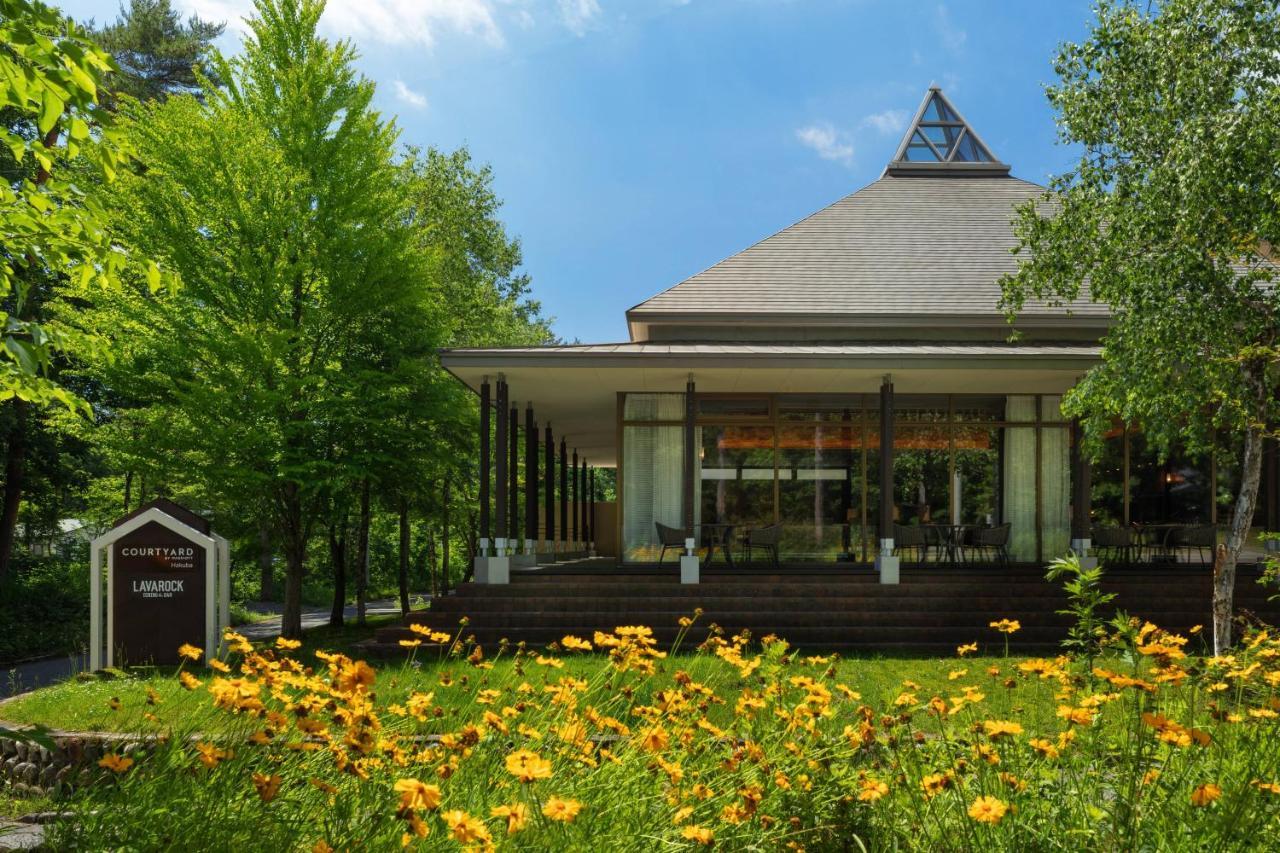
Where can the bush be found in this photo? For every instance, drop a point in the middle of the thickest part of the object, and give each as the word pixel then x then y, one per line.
pixel 46 608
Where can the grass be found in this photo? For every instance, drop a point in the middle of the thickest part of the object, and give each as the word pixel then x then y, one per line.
pixel 741 744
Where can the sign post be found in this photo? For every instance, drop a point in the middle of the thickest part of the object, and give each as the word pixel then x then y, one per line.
pixel 167 583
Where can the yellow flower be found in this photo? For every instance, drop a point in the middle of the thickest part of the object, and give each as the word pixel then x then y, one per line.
pixel 935 783
pixel 321 846
pixel 957 673
pixel 465 828
pixel 410 644
pixel 1269 787
pixel 526 765
pixel 561 809
pixel 699 834
pixel 211 756
pixel 218 665
pixel 267 786
pixel 190 652
pixel 967 649
pixel 188 680
pixel 517 815
pixel 287 645
pixel 1205 794
pixel 115 763
pixel 1044 747
pixel 575 644
pixel 1001 728
pixel 1007 626
pixel 872 790
pixel 988 810
pixel 655 739
pixel 417 795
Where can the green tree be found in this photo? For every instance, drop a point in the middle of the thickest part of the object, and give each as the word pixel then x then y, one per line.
pixel 57 148
pixel 1170 217
pixel 156 53
pixel 278 201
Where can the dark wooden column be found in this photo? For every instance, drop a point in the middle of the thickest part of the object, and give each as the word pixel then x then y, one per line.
pixel 577 497
pixel 530 475
pixel 591 503
pixel 485 408
pixel 582 504
pixel 690 456
pixel 564 491
pixel 886 459
pixel 1081 486
pixel 549 499
pixel 513 474
pixel 1271 483
pixel 500 470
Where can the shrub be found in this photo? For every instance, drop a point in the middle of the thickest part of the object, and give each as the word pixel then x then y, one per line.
pixel 46 609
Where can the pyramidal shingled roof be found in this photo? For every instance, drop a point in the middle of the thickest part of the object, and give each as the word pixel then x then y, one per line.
pixel 927 242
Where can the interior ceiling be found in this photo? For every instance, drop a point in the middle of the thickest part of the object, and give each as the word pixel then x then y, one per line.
pixel 582 402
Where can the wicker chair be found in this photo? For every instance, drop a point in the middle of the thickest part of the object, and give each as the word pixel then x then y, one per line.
pixel 766 539
pixel 668 538
pixel 1114 540
pixel 992 539
pixel 911 537
pixel 1203 537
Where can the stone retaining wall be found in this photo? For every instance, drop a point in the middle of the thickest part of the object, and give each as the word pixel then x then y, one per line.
pixel 29 768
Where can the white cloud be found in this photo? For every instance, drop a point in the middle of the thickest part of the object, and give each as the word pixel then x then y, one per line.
pixel 417 100
pixel 829 143
pixel 953 37
pixel 376 21
pixel 887 122
pixel 578 15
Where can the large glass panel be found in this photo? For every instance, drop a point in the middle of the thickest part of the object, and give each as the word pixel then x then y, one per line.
pixel 1176 490
pixel 736 475
pixel 1020 478
pixel 977 485
pixel 921 473
pixel 1107 481
pixel 820 488
pixel 652 493
pixel 653 407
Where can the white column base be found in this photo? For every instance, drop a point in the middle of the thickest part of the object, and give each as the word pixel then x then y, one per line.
pixel 689 571
pixel 1081 547
pixel 887 564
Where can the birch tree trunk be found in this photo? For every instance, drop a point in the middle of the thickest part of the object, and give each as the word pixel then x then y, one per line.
pixel 1224 565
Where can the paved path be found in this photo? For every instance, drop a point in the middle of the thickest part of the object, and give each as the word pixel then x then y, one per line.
pixel 25 677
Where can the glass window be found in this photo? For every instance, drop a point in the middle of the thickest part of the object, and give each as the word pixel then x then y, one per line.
pixel 733 407
pixel 653 407
pixel 921 474
pixel 652 487
pixel 820 489
pixel 735 476
pixel 1107 482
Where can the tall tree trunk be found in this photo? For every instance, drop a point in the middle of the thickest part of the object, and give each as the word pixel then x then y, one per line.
pixel 338 558
pixel 128 488
pixel 404 557
pixel 1224 564
pixel 362 556
pixel 15 469
pixel 295 555
pixel 266 562
pixel 444 543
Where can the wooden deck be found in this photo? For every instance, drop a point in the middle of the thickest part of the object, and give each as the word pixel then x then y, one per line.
pixel 842 607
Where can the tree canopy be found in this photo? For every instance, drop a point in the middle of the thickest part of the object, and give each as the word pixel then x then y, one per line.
pixel 1171 217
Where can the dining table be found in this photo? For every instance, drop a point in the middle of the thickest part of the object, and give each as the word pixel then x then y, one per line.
pixel 719 535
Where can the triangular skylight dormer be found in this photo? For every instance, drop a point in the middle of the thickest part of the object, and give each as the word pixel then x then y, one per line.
pixel 940 141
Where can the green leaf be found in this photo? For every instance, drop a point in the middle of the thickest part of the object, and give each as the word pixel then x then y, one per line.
pixel 153 276
pixel 51 108
pixel 79 128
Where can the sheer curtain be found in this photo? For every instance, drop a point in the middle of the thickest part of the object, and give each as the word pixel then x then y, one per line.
pixel 1020 477
pixel 652 472
pixel 1055 481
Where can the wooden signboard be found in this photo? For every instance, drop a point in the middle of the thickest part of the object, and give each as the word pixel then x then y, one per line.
pixel 163 585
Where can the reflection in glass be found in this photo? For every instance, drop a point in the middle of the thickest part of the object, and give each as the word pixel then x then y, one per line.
pixel 736 475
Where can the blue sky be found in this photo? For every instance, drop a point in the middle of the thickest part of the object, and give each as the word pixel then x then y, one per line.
pixel 636 142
